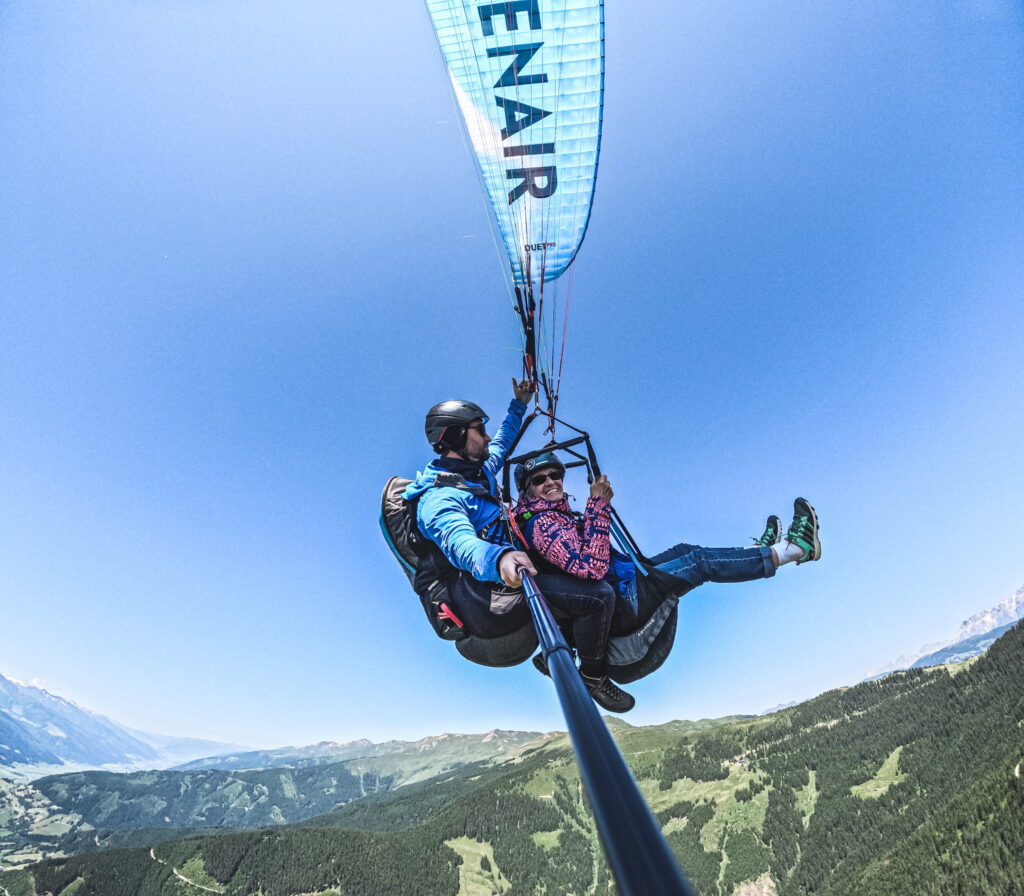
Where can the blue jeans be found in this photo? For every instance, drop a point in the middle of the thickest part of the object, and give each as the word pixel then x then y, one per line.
pixel 694 565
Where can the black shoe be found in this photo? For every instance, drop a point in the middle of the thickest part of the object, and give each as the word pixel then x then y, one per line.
pixel 803 531
pixel 540 664
pixel 772 532
pixel 607 694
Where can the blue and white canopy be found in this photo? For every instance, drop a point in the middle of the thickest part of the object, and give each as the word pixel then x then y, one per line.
pixel 528 76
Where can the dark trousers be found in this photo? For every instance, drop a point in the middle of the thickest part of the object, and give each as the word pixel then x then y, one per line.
pixel 583 609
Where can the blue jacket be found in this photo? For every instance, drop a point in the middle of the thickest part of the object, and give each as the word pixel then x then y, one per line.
pixel 459 522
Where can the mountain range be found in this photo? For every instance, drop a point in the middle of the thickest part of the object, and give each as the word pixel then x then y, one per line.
pixel 972 637
pixel 432 751
pixel 391 786
pixel 906 786
pixel 77 811
pixel 42 733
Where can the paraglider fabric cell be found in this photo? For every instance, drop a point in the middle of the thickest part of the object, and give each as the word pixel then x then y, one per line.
pixel 529 82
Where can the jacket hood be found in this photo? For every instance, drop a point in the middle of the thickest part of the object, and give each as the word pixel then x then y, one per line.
pixel 472 473
pixel 423 482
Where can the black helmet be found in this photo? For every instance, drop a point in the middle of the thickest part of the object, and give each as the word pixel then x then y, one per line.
pixel 446 424
pixel 523 470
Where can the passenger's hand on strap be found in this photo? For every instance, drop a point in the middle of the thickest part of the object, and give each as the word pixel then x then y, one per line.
pixel 601 488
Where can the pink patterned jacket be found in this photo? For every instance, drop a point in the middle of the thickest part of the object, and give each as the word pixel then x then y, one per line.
pixel 556 534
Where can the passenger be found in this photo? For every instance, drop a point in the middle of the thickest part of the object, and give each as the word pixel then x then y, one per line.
pixel 563 541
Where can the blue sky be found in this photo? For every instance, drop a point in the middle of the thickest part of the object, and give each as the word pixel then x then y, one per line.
pixel 243 249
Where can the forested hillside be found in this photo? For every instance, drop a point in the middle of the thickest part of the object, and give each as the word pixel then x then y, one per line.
pixel 82 811
pixel 907 786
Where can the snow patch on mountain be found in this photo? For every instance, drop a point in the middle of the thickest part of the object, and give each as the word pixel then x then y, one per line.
pixel 999 616
pixel 1009 611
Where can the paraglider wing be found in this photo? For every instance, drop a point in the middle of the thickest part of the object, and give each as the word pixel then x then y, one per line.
pixel 529 79
pixel 528 76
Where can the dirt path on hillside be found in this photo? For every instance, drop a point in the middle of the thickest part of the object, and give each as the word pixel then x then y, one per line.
pixel 178 874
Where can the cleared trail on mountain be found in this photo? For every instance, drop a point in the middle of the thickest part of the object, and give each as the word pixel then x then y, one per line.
pixel 175 872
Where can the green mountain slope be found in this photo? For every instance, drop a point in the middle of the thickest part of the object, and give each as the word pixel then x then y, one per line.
pixel 75 812
pixel 907 786
pixel 79 812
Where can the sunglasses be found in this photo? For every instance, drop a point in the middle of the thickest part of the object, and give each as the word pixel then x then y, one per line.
pixel 478 426
pixel 541 478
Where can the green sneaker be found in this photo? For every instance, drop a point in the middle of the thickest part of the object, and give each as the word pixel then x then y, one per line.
pixel 772 532
pixel 803 531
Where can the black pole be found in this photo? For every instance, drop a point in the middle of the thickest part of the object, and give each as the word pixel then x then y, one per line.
pixel 637 853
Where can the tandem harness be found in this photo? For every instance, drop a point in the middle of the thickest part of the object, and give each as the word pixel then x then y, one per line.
pixel 422 561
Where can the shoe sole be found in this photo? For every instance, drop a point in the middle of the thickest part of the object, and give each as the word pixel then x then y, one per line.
pixel 613 707
pixel 607 701
pixel 816 547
